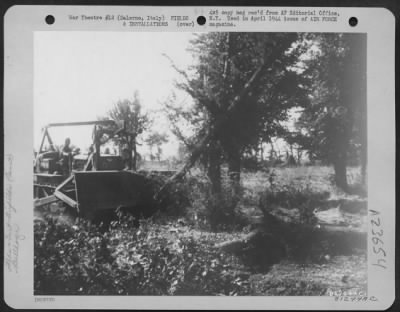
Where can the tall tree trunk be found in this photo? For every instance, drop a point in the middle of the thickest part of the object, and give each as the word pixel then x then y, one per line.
pixel 234 168
pixel 261 151
pixel 299 156
pixel 356 95
pixel 339 165
pixel 134 161
pixel 356 85
pixel 130 147
pixel 272 152
pixel 214 168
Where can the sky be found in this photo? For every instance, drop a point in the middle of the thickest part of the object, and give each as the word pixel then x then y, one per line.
pixel 79 76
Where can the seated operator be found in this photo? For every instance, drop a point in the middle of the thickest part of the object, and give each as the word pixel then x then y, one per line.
pixel 66 157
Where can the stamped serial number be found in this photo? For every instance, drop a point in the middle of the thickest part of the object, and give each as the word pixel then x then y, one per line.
pixel 45 299
pixel 377 239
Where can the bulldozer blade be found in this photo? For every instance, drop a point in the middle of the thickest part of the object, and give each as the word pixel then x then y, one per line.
pixel 97 191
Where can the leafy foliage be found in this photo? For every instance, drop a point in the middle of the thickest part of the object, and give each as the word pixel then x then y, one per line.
pixel 172 256
pixel 175 200
pixel 156 139
pixel 136 122
pixel 78 260
pixel 298 204
pixel 242 86
pixel 226 62
pixel 216 211
pixel 333 125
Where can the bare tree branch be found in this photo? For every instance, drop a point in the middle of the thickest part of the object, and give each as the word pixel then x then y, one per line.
pixel 174 66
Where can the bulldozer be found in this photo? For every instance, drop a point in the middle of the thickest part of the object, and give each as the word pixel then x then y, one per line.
pixel 89 185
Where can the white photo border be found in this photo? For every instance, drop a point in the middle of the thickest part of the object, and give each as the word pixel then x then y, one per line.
pixel 20 25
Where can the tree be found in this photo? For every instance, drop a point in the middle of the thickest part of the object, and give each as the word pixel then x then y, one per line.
pixel 136 122
pixel 243 86
pixel 156 139
pixel 334 122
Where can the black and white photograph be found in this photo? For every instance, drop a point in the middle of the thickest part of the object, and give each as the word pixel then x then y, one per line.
pixel 215 163
pixel 199 158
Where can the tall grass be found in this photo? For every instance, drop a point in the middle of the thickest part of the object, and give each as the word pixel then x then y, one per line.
pixel 317 178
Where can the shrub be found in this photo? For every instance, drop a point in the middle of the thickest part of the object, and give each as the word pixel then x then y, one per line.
pixel 222 213
pixel 127 260
pixel 290 197
pixel 173 201
pixel 68 258
pixel 218 211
